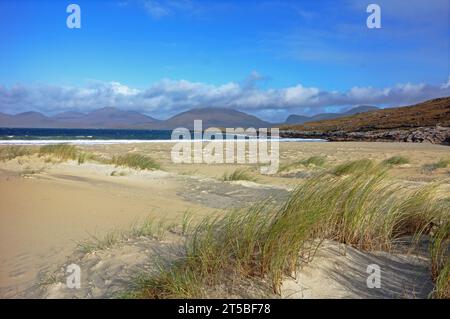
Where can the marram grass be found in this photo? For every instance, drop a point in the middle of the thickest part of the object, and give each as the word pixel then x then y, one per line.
pixel 313 161
pixel 442 282
pixel 60 151
pixel 136 161
pixel 66 152
pixel 396 160
pixel 11 152
pixel 149 227
pixel 238 175
pixel 442 163
pixel 357 166
pixel 440 259
pixel 357 205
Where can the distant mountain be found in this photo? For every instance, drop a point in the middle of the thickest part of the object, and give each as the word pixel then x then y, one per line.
pixel 31 116
pixel 114 118
pixel 109 117
pixel 297 119
pixel 68 116
pixel 212 117
pixel 300 119
pixel 4 116
pixel 361 109
pixel 26 119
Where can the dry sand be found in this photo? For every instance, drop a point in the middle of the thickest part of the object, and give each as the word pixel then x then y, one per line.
pixel 339 271
pixel 46 208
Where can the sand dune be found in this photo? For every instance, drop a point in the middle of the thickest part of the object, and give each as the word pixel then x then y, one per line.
pixel 47 208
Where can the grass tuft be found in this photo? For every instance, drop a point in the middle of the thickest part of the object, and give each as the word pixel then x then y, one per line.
pixel 358 166
pixel 11 152
pixel 148 228
pixel 136 161
pixel 60 151
pixel 95 243
pixel 442 282
pixel 186 222
pixel 443 163
pixel 116 173
pixel 151 228
pixel 83 157
pixel 440 259
pixel 396 160
pixel 65 152
pixel 316 161
pixel 238 175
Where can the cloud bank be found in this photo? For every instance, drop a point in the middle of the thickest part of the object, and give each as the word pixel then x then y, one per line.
pixel 168 97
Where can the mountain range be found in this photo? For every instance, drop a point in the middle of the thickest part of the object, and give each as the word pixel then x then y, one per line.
pixel 300 119
pixel 113 118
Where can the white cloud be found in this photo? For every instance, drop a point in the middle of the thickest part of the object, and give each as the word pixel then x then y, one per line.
pixel 155 9
pixel 118 88
pixel 300 95
pixel 168 97
pixel 446 85
pixel 158 9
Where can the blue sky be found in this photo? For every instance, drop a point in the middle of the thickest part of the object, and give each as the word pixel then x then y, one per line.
pixel 269 58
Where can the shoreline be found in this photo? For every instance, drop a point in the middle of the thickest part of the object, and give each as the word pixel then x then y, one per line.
pixel 109 142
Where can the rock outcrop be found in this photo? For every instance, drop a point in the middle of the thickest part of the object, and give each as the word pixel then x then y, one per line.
pixel 433 135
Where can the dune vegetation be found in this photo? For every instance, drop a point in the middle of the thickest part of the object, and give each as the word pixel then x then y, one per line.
pixel 65 152
pixel 238 175
pixel 355 203
pixel 440 259
pixel 442 163
pixel 313 161
pixel 357 166
pixel 396 160
pixel 136 161
pixel 149 227
pixel 60 151
pixel 11 152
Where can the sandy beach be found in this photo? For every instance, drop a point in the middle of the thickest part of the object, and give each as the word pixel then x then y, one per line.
pixel 47 208
pixel 227 150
